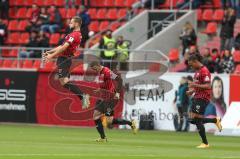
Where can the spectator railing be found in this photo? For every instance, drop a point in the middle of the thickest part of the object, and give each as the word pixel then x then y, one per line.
pixel 82 54
pixel 153 31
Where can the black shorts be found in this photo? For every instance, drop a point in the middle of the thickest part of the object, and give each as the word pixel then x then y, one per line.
pixel 64 65
pixel 199 106
pixel 106 107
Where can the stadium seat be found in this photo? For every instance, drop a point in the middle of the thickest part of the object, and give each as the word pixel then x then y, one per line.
pixel 71 12
pixel 101 14
pixel 29 13
pixel 109 3
pixel 218 15
pixel 112 14
pixel 237 69
pixel 98 3
pixel 104 25
pixel 27 64
pixel 36 64
pixel 13 25
pixel 211 28
pixel 217 3
pixel 29 3
pixel 129 3
pixel 7 63
pixel 94 26
pixel 13 38
pixel 40 3
pixel 48 3
pixel 93 13
pixel 236 56
pixel 13 53
pixel 207 15
pixel 5 21
pixel 21 13
pixel 54 39
pixel 120 3
pixel 122 13
pixel 18 2
pixel 22 25
pixel 15 64
pixel 199 14
pixel 63 12
pixel 173 55
pixel 12 2
pixel 12 12
pixel 24 38
pixel 115 25
pixel 59 3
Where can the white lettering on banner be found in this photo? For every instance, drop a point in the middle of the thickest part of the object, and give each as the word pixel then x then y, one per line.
pixel 163 109
pixel 12 95
pixel 10 106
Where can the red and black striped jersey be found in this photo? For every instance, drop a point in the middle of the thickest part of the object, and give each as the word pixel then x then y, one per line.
pixel 202 76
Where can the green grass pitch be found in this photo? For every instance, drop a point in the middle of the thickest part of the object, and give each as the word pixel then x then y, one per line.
pixel 38 142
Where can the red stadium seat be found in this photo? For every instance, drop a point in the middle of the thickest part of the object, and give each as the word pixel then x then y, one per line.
pixel 93 13
pixel 71 12
pixel 94 26
pixel 12 12
pixel 21 13
pixel 173 55
pixel 98 3
pixel 237 69
pixel 48 3
pixel 112 14
pixel 13 25
pixel 24 38
pixel 211 28
pixel 63 12
pixel 7 63
pixel 122 13
pixel 12 2
pixel 104 25
pixel 13 53
pixel 27 64
pixel 236 56
pixel 5 53
pixel 22 25
pixel 129 3
pixel 199 14
pixel 59 3
pixel 13 38
pixel 5 21
pixel 101 14
pixel 15 63
pixel 120 3
pixel 29 13
pixel 40 3
pixel 218 15
pixel 217 3
pixel 29 3
pixel 19 2
pixel 54 39
pixel 207 15
pixel 109 3
pixel 37 64
pixel 115 26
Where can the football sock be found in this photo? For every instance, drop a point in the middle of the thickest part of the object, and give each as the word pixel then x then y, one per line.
pixel 99 128
pixel 201 131
pixel 121 122
pixel 74 88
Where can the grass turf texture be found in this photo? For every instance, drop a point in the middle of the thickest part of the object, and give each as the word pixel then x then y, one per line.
pixel 38 142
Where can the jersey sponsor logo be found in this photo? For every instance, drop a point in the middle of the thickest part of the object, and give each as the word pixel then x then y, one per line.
pixel 207 79
pixel 71 39
pixel 12 95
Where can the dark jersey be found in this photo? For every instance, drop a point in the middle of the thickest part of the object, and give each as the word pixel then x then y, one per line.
pixel 202 76
pixel 74 40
